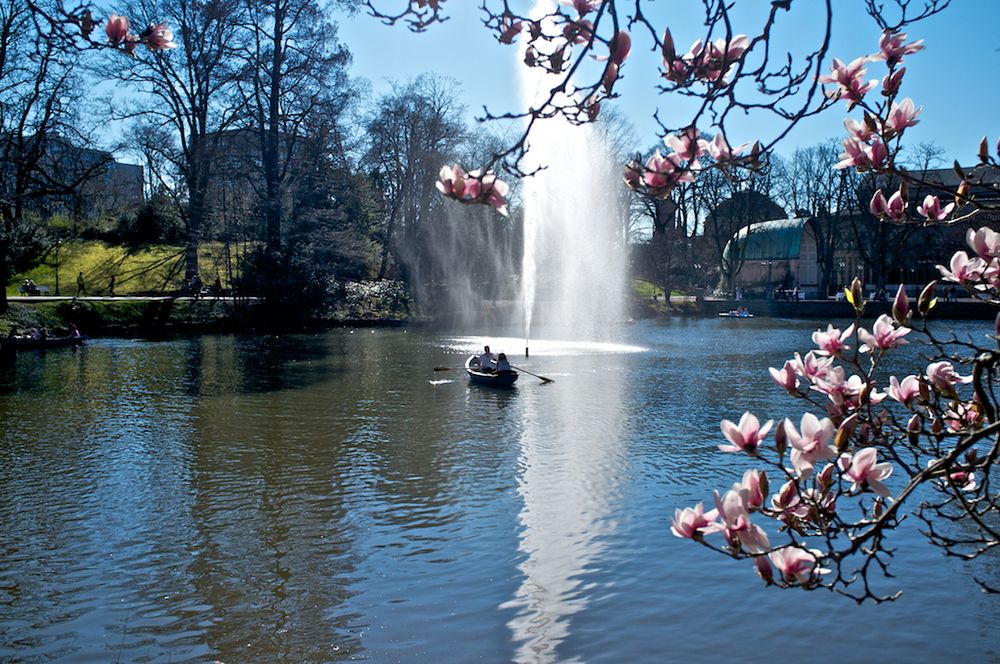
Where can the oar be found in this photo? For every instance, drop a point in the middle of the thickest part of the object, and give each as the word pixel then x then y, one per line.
pixel 542 378
pixel 448 368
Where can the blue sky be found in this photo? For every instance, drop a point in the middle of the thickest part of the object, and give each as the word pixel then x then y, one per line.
pixel 955 78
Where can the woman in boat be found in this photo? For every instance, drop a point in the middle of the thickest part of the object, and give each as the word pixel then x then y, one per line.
pixel 503 366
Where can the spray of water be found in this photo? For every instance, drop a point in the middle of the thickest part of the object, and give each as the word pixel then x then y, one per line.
pixel 573 269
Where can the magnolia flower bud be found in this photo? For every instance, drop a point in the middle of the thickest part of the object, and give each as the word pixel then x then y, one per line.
pixel 926 300
pixel 996 327
pixel 937 426
pixel 925 391
pixel 765 485
pixel 901 306
pixel 984 151
pixel 879 508
pixel 854 295
pixel 843 436
pixel 825 479
pixel 961 193
pixel 781 438
pixel 668 46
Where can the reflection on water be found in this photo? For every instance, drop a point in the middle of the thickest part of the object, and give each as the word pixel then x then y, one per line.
pixel 569 468
pixel 330 497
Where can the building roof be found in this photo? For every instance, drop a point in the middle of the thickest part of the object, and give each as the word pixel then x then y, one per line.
pixel 777 239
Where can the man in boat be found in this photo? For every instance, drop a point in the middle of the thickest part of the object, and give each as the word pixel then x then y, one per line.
pixel 486 360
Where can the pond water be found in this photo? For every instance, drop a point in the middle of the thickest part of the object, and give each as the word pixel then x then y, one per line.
pixel 330 497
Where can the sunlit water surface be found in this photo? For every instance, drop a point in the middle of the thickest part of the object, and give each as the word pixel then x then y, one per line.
pixel 331 497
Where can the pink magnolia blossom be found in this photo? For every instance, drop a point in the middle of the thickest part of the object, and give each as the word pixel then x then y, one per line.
pixel 692 522
pixel 810 445
pixel 663 173
pixel 904 391
pixel 788 505
pixel 985 242
pixel 862 156
pixel 943 376
pixel 735 523
pixel 116 29
pixel 632 175
pixel 720 150
pixel 895 207
pixel 832 342
pixel 962 269
pixel 892 47
pixel 877 153
pixel 764 569
pixel 902 115
pixel 931 209
pixel 849 78
pixel 864 472
pixel 858 130
pixel 812 366
pixel 579 32
pixel 891 82
pixel 686 144
pixel 877 206
pixel 753 484
pixel 884 335
pixel 745 437
pixel 473 187
pixel 158 37
pixel 798 565
pixel 785 377
pixel 963 479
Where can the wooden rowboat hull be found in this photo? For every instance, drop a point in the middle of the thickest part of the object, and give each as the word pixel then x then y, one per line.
pixel 506 379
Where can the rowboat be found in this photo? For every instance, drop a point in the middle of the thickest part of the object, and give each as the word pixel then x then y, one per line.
pixel 735 314
pixel 493 379
pixel 27 343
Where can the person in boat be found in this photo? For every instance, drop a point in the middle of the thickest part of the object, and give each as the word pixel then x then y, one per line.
pixel 486 360
pixel 503 366
pixel 43 333
pixel 74 331
pixel 12 334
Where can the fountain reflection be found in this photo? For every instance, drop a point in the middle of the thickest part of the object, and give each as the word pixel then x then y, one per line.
pixel 570 468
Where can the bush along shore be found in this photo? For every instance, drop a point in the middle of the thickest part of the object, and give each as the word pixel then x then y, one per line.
pixel 364 304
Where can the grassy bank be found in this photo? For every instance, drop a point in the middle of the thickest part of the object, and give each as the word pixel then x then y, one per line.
pixel 154 269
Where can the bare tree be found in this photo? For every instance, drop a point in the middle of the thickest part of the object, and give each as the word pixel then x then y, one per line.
pixel 39 158
pixel 190 92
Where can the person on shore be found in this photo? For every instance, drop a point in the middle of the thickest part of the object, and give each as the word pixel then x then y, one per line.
pixel 111 286
pixel 43 333
pixel 196 285
pixel 486 360
pixel 503 366
pixel 81 285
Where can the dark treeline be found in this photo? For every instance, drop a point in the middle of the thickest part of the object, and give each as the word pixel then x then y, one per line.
pixel 253 135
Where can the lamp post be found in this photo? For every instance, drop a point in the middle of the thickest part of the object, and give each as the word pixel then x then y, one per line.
pixel 58 244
